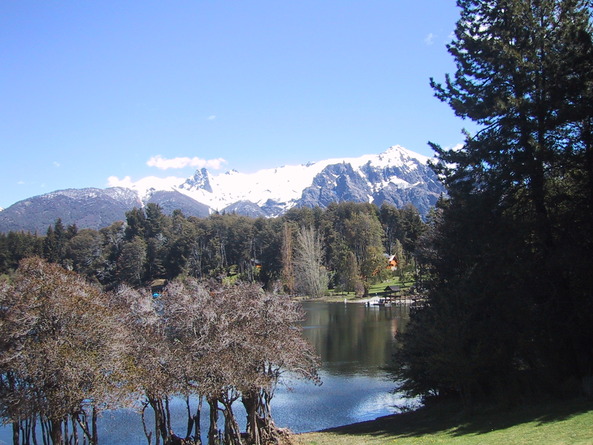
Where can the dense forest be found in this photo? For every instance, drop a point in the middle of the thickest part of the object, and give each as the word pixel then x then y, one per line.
pixel 341 247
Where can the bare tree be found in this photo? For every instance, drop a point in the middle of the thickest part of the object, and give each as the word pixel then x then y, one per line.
pixel 150 372
pixel 58 364
pixel 310 275
pixel 235 341
pixel 69 350
pixel 275 346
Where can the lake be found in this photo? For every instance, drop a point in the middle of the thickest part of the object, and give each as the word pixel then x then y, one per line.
pixel 355 343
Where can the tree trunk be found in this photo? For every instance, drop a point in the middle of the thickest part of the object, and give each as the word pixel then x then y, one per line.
pixel 33 427
pixel 94 427
pixel 55 431
pixel 232 433
pixel 146 432
pixel 197 420
pixel 74 429
pixel 15 433
pixel 213 430
pixel 190 419
pixel 249 401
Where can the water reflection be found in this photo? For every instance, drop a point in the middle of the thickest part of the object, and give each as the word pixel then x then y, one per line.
pixel 353 339
pixel 355 343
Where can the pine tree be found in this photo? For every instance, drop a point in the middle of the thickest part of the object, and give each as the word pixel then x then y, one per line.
pixel 523 74
pixel 510 285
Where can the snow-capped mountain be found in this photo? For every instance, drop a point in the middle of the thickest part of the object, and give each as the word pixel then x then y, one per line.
pixel 397 176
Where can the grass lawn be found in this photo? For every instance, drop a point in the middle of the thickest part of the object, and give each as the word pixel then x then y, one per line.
pixel 374 289
pixel 554 423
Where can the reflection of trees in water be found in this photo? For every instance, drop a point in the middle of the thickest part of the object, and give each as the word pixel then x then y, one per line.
pixel 352 337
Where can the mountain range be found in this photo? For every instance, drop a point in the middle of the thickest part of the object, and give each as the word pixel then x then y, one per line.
pixel 397 176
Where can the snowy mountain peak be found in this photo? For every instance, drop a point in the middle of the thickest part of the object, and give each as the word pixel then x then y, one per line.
pixel 396 176
pixel 200 180
pixel 398 155
pixel 293 185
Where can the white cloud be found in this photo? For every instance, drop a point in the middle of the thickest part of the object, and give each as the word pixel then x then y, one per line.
pixel 211 117
pixel 181 162
pixel 429 39
pixel 56 164
pixel 114 181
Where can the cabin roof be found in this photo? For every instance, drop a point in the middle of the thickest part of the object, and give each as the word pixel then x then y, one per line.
pixel 392 289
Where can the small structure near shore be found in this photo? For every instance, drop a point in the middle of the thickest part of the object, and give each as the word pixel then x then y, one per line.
pixel 393 294
pixel 390 295
pixel 392 291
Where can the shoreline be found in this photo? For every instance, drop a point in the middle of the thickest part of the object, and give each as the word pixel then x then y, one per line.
pixel 552 422
pixel 372 301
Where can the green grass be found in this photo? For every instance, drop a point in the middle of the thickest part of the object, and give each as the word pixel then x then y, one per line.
pixel 559 423
pixel 376 288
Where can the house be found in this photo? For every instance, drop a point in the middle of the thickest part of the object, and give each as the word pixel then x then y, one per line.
pixel 392 263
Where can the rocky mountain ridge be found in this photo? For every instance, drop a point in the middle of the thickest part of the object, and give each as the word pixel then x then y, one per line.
pixel 397 176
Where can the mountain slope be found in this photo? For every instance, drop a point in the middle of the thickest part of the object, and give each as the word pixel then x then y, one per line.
pixel 397 176
pixel 87 208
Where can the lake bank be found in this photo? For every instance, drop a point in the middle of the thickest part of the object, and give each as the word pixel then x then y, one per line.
pixel 355 344
pixel 376 291
pixel 559 422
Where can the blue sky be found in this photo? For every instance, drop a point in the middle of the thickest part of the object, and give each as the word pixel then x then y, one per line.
pixel 91 90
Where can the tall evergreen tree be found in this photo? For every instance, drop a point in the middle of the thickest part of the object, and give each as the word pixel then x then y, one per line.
pixel 510 285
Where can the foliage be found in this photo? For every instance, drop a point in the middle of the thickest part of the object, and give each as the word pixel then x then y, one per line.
pixel 69 350
pixel 354 246
pixel 352 241
pixel 509 312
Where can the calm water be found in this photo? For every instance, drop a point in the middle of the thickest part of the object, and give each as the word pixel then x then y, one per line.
pixel 355 343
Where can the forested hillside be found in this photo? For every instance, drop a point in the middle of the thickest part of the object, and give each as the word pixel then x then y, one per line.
pixel 305 251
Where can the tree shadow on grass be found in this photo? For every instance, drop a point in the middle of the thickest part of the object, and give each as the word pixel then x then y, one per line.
pixel 452 417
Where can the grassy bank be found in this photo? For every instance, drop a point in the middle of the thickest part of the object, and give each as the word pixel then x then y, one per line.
pixel 559 423
pixel 376 289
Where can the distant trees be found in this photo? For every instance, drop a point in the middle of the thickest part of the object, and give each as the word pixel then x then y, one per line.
pixel 509 250
pixel 69 350
pixel 354 246
pixel 131 262
pixel 287 276
pixel 14 246
pixel 347 241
